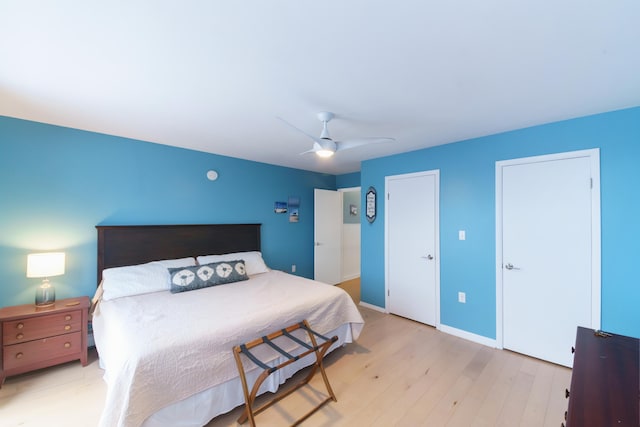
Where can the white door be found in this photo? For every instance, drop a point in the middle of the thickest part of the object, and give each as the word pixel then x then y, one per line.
pixel 547 253
pixel 327 253
pixel 412 246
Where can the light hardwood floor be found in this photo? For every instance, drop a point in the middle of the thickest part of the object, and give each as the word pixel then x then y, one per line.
pixel 352 287
pixel 399 373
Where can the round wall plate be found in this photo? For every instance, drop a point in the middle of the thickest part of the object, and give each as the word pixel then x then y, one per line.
pixel 212 175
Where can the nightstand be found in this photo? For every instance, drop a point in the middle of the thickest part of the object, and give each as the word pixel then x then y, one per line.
pixel 34 338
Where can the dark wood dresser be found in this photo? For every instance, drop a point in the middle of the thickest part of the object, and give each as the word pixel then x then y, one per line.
pixel 605 382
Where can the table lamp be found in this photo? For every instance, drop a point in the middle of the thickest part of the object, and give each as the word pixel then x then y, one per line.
pixel 45 265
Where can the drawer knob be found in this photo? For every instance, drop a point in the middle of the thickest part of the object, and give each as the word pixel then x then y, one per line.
pixel 67 327
pixel 67 317
pixel 67 345
pixel 19 336
pixel 19 355
pixel 566 393
pixel 20 325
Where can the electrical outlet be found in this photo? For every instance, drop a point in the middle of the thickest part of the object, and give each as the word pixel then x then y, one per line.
pixel 462 297
pixel 293 268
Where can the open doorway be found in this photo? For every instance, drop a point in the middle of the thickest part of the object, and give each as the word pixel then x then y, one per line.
pixel 351 217
pixel 337 216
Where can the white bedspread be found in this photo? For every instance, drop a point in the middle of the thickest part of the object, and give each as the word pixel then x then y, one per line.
pixel 160 348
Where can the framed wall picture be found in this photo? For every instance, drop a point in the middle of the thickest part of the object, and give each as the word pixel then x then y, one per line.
pixel 370 202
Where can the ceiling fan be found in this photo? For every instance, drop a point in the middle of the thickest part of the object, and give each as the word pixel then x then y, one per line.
pixel 325 146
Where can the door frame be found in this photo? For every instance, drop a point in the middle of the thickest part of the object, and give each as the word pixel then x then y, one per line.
pixel 436 174
pixel 594 156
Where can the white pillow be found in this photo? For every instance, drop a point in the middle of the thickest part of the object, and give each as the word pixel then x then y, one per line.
pixel 253 262
pixel 154 276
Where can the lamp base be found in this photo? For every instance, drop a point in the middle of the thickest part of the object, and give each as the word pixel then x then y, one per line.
pixel 45 295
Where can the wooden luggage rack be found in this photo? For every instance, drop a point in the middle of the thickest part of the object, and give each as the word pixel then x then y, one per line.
pixel 319 350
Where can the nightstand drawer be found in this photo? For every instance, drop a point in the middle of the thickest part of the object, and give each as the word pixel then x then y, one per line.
pixel 17 355
pixel 20 331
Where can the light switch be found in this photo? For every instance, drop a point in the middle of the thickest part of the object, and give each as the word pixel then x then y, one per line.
pixel 462 235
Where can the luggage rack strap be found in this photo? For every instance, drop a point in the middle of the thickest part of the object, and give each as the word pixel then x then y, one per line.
pixel 246 352
pixel 271 344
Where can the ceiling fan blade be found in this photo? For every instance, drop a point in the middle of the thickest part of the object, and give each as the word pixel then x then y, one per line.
pixel 314 138
pixel 357 142
pixel 316 147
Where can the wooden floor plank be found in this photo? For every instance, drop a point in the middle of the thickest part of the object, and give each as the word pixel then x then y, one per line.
pixel 516 401
pixel 497 393
pixel 557 404
pixel 535 411
pixel 443 378
pixel 467 409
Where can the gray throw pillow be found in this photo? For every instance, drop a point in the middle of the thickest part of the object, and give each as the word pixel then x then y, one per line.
pixel 202 276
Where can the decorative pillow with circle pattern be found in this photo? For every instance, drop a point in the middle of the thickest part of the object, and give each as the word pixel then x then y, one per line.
pixel 202 276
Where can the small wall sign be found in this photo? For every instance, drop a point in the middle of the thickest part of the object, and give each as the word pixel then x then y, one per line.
pixel 370 201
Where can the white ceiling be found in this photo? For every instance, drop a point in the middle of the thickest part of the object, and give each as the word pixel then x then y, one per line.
pixel 214 75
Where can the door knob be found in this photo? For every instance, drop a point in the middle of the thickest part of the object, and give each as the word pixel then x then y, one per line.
pixel 429 257
pixel 510 266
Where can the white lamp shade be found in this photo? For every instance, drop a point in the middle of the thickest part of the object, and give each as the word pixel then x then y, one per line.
pixel 47 264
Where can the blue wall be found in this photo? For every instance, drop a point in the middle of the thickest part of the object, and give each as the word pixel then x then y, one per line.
pixel 467 201
pixel 348 180
pixel 57 184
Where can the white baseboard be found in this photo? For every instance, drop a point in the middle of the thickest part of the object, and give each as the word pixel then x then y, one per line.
pixel 489 342
pixel 350 277
pixel 373 307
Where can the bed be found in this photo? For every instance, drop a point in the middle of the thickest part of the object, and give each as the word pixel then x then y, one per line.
pixel 167 356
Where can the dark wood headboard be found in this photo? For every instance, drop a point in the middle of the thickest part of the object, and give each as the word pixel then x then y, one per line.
pixel 120 245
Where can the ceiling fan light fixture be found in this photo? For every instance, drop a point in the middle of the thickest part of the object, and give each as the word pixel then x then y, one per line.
pixel 325 146
pixel 324 153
